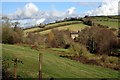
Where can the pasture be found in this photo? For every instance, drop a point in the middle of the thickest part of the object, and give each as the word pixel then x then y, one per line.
pixel 53 65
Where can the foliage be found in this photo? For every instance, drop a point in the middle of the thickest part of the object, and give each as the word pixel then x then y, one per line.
pixel 6 72
pixel 88 22
pixel 5 68
pixel 59 39
pixel 11 35
pixel 98 40
pixel 7 34
pixel 78 49
pixel 34 39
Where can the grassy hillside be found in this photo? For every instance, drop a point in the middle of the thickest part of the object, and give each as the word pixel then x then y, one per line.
pixel 111 22
pixel 49 25
pixel 53 65
pixel 72 27
pixel 108 23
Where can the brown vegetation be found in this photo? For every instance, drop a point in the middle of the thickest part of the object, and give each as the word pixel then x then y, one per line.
pixel 11 35
pixel 59 39
pixel 98 40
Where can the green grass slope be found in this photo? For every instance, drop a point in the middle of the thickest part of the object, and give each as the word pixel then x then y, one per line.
pixel 71 27
pixel 112 23
pixel 53 65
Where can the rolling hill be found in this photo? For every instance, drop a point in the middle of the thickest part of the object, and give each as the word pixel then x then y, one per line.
pixel 69 25
pixel 53 65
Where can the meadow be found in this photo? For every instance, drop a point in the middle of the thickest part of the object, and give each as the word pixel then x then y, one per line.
pixel 53 66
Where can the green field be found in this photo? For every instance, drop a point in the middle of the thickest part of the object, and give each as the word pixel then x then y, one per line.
pixel 72 27
pixel 32 29
pixel 53 65
pixel 112 23
pixel 55 24
pixel 108 23
pixel 49 25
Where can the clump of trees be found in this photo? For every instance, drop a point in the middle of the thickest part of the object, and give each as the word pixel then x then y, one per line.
pixel 98 40
pixel 34 40
pixel 11 35
pixel 88 22
pixel 59 39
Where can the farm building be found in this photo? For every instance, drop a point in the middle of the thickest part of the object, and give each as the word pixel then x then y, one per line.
pixel 74 34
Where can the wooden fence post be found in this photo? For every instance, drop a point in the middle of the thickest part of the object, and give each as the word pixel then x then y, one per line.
pixel 16 61
pixel 15 68
pixel 40 66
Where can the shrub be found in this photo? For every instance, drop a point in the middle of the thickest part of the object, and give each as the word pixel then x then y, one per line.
pixel 98 40
pixel 11 35
pixel 7 33
pixel 88 22
pixel 59 39
pixel 78 49
pixel 34 39
pixel 18 35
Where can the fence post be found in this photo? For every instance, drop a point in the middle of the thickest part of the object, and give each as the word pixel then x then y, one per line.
pixel 15 71
pixel 16 61
pixel 40 66
pixel 15 68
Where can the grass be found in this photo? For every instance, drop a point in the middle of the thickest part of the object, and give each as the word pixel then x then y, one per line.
pixel 50 25
pixel 72 27
pixel 32 29
pixel 53 65
pixel 108 23
pixel 61 50
pixel 112 23
pixel 54 24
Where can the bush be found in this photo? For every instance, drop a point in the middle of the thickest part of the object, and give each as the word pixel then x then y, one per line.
pixel 88 22
pixel 59 39
pixel 7 34
pixel 78 49
pixel 11 35
pixel 34 39
pixel 98 40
